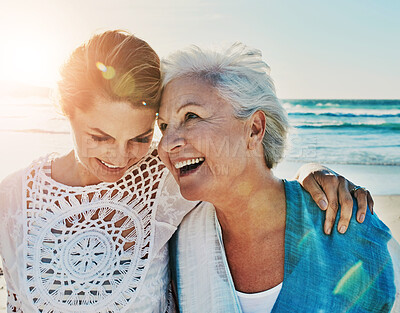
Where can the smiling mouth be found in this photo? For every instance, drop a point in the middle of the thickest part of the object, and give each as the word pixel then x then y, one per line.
pixel 189 166
pixel 110 166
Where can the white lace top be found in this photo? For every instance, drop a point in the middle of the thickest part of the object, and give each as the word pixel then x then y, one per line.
pixel 100 248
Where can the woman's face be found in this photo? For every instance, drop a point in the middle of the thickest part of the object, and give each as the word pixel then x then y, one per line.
pixel 109 137
pixel 203 144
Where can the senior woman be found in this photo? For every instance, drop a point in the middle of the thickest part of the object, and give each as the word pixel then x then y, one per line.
pixel 254 243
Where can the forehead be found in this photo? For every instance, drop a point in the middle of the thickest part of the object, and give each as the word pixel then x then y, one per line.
pixel 116 116
pixel 182 91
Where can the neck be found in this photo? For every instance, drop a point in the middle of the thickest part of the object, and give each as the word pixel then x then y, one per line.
pixel 69 171
pixel 256 213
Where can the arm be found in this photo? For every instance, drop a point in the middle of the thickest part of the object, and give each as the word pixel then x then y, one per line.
pixel 329 189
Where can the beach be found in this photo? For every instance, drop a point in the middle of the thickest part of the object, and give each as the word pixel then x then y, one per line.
pixel 359 139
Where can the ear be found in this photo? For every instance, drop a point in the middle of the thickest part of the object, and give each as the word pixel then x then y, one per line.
pixel 257 129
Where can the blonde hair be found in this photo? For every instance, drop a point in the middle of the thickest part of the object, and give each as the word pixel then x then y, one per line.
pixel 114 65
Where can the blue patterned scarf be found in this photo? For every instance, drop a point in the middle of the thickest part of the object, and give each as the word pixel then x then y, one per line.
pixel 356 272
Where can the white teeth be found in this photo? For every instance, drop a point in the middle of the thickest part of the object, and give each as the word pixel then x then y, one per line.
pixel 188 162
pixel 109 165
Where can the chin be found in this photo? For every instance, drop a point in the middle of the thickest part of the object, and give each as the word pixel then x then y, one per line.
pixel 192 194
pixel 110 178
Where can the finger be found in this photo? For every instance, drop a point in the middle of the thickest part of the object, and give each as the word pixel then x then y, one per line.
pixel 314 189
pixel 329 184
pixel 361 196
pixel 370 202
pixel 346 205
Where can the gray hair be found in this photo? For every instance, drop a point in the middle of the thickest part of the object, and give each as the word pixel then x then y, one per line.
pixel 241 77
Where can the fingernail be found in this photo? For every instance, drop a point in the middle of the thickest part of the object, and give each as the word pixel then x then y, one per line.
pixel 342 229
pixel 322 204
pixel 362 217
pixel 327 230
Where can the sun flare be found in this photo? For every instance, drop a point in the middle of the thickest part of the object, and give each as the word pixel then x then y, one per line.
pixel 29 61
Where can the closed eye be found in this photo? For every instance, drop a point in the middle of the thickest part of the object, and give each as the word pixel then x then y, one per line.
pixel 99 139
pixel 146 139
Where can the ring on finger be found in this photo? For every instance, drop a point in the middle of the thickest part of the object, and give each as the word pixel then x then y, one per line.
pixel 355 188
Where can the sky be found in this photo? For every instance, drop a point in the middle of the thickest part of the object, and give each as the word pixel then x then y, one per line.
pixel 316 48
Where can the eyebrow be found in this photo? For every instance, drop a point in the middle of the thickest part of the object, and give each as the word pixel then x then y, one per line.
pixel 147 132
pixel 182 107
pixel 188 104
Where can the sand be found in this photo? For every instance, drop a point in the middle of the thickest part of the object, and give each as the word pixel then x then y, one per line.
pixel 386 207
pixel 388 210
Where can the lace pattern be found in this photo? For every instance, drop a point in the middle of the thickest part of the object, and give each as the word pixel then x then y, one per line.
pixel 88 248
pixel 13 303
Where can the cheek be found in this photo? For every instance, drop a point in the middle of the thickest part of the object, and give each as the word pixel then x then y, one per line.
pixel 139 151
pixel 226 155
pixel 143 149
pixel 161 153
pixel 164 156
pixel 220 147
pixel 86 147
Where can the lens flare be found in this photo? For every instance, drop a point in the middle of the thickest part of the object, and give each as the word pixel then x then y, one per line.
pixel 124 86
pixel 108 72
pixel 101 67
pixel 351 277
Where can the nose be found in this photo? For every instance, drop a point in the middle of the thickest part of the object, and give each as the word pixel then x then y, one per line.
pixel 119 155
pixel 172 140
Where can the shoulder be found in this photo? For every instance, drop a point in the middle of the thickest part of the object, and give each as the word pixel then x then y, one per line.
pixel 300 203
pixel 304 218
pixel 172 206
pixel 11 191
pixel 364 249
pixel 366 241
pixel 12 180
pixel 15 180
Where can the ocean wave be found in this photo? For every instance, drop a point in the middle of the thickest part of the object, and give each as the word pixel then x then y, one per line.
pixel 377 108
pixel 5 117
pixel 25 101
pixel 343 103
pixel 35 131
pixel 340 160
pixel 383 126
pixel 339 111
pixel 334 114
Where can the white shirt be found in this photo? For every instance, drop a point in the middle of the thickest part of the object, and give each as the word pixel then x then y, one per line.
pixel 99 248
pixel 260 302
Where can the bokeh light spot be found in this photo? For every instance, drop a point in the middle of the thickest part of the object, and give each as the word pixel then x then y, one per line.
pixel 101 67
pixel 109 73
pixel 124 86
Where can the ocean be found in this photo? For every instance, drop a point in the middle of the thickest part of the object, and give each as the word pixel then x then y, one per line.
pixel 363 132
pixel 359 137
